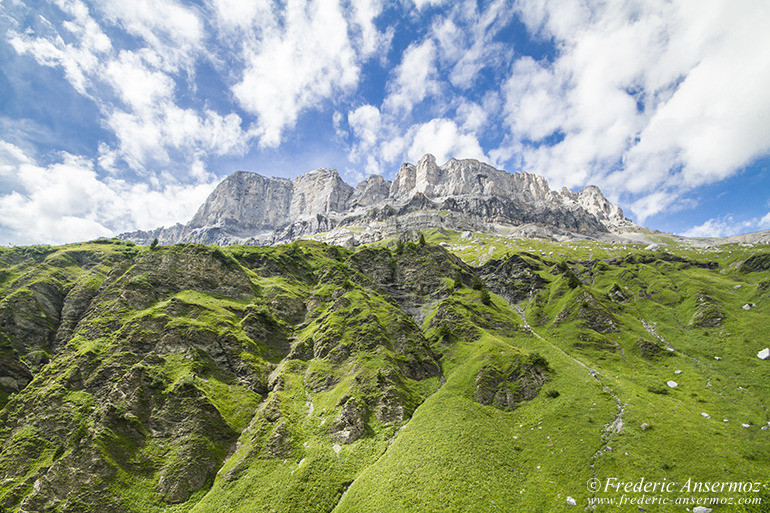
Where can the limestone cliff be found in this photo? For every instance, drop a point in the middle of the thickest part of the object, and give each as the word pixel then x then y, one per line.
pixel 248 208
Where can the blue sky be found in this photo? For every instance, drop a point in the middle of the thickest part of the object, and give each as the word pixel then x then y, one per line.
pixel 120 115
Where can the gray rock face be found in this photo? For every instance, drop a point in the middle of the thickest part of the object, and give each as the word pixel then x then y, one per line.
pixel 247 208
pixel 244 202
pixel 318 192
pixel 370 191
pixel 349 425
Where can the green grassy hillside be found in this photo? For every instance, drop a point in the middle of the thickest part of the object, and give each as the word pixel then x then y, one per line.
pixel 476 373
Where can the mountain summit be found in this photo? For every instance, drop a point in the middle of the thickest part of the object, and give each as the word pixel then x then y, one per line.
pixel 248 208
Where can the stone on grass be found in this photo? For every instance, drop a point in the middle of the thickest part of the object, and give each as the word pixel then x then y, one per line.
pixel 571 501
pixel 764 354
pixel 701 509
pixel 672 384
pixel 706 415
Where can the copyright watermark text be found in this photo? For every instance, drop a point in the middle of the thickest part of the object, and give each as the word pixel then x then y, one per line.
pixel 612 491
pixel 613 484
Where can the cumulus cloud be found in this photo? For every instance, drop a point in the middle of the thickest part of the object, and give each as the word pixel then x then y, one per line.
pixel 415 78
pixel 422 4
pixel 650 99
pixel 301 56
pixel 136 89
pixel 365 123
pixel 174 32
pixel 727 226
pixel 67 201
pixel 466 39
pixel 430 103
pixel 444 140
pixel 78 59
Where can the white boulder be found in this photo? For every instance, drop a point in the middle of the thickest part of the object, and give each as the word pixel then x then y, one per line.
pixel 672 384
pixel 764 354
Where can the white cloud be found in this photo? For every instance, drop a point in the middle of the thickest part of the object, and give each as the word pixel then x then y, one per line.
pixel 237 14
pixel 430 92
pixel 443 139
pixel 471 115
pixel 174 32
pixel 535 102
pixel 365 122
pixel 151 129
pixel 649 99
pixel 78 60
pixel 415 78
pixel 67 201
pixel 466 40
pixel 421 4
pixel 369 38
pixel 302 61
pixel 150 125
pixel 138 85
pixel 727 226
pixel 149 136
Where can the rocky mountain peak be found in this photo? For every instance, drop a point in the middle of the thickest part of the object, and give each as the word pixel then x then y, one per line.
pixel 404 182
pixel 319 192
pixel 372 190
pixel 245 201
pixel 253 209
pixel 594 202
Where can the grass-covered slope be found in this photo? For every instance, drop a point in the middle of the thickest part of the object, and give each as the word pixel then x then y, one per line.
pixel 395 377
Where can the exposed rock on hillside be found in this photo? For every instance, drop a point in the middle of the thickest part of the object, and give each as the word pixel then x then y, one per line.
pixel 708 312
pixel 308 377
pixel 504 386
pixel 756 263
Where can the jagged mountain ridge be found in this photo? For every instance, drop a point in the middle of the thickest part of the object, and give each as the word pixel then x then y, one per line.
pixel 248 208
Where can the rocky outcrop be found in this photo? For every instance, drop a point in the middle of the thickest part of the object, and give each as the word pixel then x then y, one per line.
pixel 349 425
pixel 505 386
pixel 247 208
pixel 514 277
pixel 708 312
pixel 756 263
pixel 370 191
